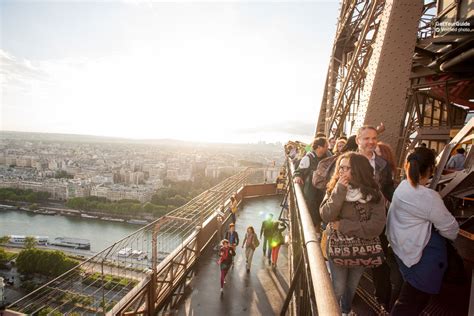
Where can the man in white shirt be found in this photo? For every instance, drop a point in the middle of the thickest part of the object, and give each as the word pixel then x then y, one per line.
pixel 367 141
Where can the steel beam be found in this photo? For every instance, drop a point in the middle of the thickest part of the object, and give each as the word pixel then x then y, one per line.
pixel 388 75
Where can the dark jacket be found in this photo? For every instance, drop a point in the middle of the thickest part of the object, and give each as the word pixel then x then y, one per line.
pixel 277 237
pixel 267 228
pixel 235 240
pixel 384 177
pixel 305 172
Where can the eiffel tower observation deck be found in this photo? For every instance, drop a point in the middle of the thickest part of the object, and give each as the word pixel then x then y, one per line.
pixel 404 63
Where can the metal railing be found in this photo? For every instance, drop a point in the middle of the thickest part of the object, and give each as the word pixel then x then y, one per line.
pixel 311 291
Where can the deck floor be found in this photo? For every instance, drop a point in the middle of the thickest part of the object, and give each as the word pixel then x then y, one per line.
pixel 260 292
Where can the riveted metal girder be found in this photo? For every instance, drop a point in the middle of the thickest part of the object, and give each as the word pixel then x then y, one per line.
pixel 356 32
pixel 388 73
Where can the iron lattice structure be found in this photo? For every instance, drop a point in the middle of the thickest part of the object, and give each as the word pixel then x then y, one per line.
pixel 356 32
pixel 144 272
pixel 392 62
pixel 441 92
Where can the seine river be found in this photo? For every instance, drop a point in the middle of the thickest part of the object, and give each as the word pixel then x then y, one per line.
pixel 100 233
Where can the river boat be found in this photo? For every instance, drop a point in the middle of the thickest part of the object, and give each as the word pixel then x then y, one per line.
pixel 137 221
pixel 88 216
pixel 7 207
pixel 45 212
pixel 20 239
pixel 111 219
pixel 70 242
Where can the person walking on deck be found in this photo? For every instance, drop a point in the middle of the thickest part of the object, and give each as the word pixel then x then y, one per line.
pixel 226 254
pixel 233 208
pixel 277 240
pixel 267 231
pixel 251 242
pixel 233 237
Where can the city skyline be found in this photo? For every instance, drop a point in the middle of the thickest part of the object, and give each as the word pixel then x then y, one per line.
pixel 208 72
pixel 65 137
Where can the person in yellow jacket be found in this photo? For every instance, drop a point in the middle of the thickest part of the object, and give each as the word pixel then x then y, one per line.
pixel 233 208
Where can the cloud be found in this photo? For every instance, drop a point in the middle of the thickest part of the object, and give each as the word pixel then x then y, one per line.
pixel 16 72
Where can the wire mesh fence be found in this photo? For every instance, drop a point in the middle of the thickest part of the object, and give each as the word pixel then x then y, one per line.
pixel 96 285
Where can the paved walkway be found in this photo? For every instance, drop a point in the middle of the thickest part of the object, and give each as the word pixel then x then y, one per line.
pixel 260 292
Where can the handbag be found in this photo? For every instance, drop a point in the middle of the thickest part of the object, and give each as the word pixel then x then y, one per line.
pixel 350 251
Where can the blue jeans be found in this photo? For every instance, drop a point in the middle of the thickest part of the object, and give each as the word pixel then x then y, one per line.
pixel 345 281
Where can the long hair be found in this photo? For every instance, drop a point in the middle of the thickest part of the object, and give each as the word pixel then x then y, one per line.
pixel 362 176
pixel 251 228
pixel 387 154
pixel 421 162
pixel 351 144
pixel 335 150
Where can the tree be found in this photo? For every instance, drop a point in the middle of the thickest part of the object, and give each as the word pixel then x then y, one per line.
pixel 4 239
pixel 30 242
pixel 9 194
pixel 33 206
pixel 46 262
pixel 3 257
pixel 30 197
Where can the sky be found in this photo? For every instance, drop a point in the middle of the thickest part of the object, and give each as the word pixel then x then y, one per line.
pixel 213 71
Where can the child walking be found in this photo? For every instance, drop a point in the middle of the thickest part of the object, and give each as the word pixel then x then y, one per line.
pixel 225 260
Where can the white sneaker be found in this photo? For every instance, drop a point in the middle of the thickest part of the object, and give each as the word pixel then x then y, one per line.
pixel 222 290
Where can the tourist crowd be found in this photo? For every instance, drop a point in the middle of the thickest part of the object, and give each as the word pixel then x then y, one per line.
pixel 398 231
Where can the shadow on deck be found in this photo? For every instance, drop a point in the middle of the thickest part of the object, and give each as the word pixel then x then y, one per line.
pixel 260 292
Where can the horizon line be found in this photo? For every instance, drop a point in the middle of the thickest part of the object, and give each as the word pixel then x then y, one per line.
pixel 139 139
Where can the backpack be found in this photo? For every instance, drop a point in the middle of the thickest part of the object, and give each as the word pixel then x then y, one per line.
pixel 323 172
pixel 306 173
